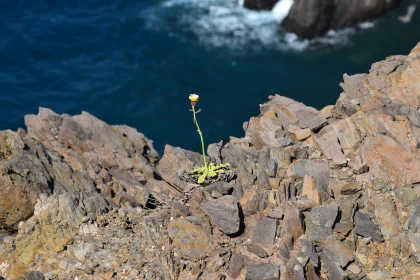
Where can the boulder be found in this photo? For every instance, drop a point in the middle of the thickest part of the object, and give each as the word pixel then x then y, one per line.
pixel 224 213
pixel 262 271
pixel 191 240
pixel 312 18
pixel 365 227
pixel 319 222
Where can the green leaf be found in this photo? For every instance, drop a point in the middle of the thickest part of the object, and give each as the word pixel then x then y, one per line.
pixel 211 173
pixel 201 178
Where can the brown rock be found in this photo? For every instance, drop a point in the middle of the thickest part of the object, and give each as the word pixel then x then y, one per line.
pixel 350 188
pixel 251 202
pixel 338 251
pixel 190 241
pixel 386 159
pixel 347 134
pixel 310 191
pixel 317 170
pixel 174 162
pixel 300 134
pixel 224 213
pixel 292 222
pixel 328 144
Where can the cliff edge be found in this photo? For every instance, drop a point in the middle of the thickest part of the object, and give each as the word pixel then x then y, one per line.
pixel 329 194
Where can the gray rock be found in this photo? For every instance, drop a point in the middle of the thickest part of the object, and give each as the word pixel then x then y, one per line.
pixel 264 232
pixel 365 227
pixel 276 213
pixel 236 263
pixel 262 271
pixel 318 170
pixel 224 213
pixel 312 121
pixel 334 269
pixel 221 187
pixel 32 275
pixel 256 250
pixel 319 222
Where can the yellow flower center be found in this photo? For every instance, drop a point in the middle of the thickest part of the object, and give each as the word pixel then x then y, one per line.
pixel 194 97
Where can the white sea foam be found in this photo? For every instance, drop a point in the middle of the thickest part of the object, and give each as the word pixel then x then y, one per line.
pixel 227 24
pixel 366 25
pixel 281 9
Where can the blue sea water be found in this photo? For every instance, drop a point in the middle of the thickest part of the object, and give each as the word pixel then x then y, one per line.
pixel 135 62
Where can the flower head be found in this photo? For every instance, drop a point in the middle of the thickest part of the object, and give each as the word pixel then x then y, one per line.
pixel 194 97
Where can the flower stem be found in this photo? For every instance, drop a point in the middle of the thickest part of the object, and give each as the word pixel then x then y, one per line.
pixel 201 137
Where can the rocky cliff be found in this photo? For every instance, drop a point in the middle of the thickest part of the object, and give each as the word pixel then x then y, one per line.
pixel 312 18
pixel 329 194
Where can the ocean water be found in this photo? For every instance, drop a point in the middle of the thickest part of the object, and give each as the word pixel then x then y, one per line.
pixel 135 62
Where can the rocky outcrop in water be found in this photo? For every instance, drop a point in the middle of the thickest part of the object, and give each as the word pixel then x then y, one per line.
pixel 329 194
pixel 312 18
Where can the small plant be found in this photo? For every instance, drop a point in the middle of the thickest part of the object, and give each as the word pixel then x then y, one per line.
pixel 209 170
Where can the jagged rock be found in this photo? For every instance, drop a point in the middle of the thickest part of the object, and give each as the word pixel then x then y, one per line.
pixel 314 18
pixel 33 275
pixel 191 240
pixel 256 250
pixel 224 213
pixel 25 169
pixel 378 275
pixel 337 251
pixel 292 223
pixel 90 184
pixel 175 162
pixel 50 230
pixel 262 271
pixel 350 188
pixel 317 170
pixel 304 251
pixel 347 134
pixel 328 144
pixel 334 269
pixel 276 213
pixel 414 239
pixel 365 227
pixel 388 219
pixel 264 232
pixel 236 264
pixel 312 121
pixel 299 134
pixel 252 201
pixel 319 222
pixel 310 191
